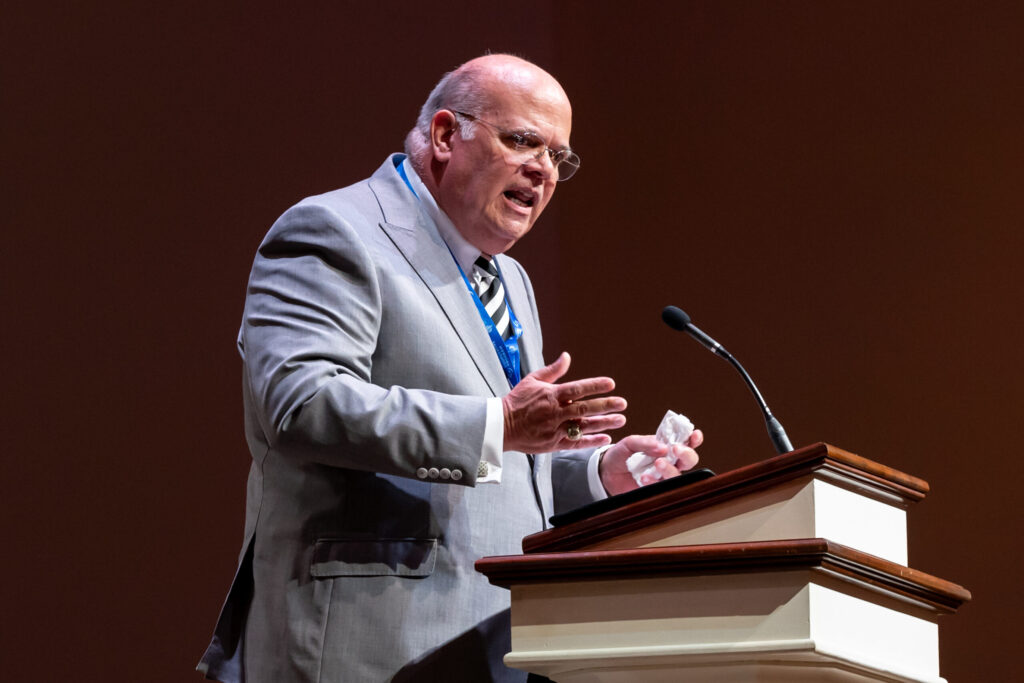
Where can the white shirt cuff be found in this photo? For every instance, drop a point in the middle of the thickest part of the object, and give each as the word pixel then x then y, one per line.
pixel 594 474
pixel 494 442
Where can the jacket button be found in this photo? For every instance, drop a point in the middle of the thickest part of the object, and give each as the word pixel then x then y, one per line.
pixel 456 475
pixel 446 473
pixel 422 473
pixel 433 472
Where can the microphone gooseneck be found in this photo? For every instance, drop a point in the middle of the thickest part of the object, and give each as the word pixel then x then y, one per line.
pixel 677 319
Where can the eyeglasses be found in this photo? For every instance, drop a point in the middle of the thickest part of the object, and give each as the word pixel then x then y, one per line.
pixel 525 146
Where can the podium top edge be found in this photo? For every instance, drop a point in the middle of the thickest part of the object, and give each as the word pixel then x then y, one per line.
pixel 821 459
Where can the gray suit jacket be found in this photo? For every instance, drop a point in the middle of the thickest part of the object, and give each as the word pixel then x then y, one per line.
pixel 366 365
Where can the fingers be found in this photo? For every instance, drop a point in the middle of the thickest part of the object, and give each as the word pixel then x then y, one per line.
pixel 601 423
pixel 649 444
pixel 646 443
pixel 577 410
pixel 591 427
pixel 555 371
pixel 686 459
pixel 589 441
pixel 592 430
pixel 666 469
pixel 683 457
pixel 574 391
pixel 686 456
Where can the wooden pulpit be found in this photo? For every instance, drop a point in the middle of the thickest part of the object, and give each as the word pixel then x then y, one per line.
pixel 790 569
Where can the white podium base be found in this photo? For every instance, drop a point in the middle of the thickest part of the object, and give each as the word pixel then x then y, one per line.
pixel 799 625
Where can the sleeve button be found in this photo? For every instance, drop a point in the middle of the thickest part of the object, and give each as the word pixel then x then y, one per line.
pixel 422 473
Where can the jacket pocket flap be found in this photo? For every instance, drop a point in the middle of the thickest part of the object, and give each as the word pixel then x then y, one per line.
pixel 373 557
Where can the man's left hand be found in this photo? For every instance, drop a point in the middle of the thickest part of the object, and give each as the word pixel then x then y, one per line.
pixel 615 476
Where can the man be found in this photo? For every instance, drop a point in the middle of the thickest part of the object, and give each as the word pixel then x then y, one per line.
pixel 384 408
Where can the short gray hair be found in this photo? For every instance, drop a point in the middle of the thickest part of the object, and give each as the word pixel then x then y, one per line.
pixel 458 90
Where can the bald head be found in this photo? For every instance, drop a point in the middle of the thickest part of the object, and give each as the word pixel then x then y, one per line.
pixel 478 87
pixel 495 74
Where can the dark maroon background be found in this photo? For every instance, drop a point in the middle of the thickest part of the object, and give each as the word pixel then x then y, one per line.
pixel 834 190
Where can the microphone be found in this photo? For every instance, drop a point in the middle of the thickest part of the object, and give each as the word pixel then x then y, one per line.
pixel 678 320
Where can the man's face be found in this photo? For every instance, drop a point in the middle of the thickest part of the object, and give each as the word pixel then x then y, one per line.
pixel 492 198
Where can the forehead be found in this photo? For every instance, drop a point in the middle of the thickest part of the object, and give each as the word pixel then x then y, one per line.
pixel 541 108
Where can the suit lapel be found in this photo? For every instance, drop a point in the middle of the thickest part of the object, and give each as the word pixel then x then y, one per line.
pixel 418 241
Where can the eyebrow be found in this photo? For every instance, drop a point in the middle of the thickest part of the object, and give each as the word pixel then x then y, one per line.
pixel 562 148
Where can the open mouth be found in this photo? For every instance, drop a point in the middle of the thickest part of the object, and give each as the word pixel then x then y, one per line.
pixel 520 198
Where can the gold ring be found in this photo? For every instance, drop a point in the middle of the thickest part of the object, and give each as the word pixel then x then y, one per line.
pixel 573 430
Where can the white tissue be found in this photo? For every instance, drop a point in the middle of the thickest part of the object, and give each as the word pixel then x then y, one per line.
pixel 674 428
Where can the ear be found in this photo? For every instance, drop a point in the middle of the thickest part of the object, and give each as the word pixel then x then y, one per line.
pixel 442 129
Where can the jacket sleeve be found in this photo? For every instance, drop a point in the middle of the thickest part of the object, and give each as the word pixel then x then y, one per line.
pixel 309 332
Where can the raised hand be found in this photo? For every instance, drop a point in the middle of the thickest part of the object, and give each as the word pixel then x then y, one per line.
pixel 539 412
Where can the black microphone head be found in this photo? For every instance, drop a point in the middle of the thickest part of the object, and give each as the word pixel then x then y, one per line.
pixel 675 318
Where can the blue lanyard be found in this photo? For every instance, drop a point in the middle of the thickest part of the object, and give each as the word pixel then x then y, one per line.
pixel 507 349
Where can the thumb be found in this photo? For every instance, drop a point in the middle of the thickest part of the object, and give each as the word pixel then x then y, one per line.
pixel 555 371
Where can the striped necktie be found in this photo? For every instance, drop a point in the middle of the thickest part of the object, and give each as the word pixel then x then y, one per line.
pixel 492 294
